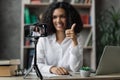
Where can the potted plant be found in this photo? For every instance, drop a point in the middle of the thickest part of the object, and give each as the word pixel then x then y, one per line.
pixel 85 71
pixel 108 29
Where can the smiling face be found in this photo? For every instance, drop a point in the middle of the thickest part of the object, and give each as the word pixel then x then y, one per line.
pixel 59 19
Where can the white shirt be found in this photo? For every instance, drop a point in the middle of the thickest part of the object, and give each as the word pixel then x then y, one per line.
pixel 50 53
pixel 35 33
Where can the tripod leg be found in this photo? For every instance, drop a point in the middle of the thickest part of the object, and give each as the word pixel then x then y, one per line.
pixel 29 70
pixel 38 72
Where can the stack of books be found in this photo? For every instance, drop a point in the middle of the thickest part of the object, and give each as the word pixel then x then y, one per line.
pixel 9 67
pixel 85 18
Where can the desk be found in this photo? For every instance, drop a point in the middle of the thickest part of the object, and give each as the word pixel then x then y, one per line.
pixel 66 77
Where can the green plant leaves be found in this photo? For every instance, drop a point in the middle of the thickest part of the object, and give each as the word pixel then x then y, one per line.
pixel 108 23
pixel 85 68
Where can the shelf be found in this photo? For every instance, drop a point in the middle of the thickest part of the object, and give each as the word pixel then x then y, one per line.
pixel 46 4
pixel 28 47
pixel 87 26
pixel 88 47
pixel 78 5
pixel 37 5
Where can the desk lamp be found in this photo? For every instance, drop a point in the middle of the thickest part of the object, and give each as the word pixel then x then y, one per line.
pixel 29 33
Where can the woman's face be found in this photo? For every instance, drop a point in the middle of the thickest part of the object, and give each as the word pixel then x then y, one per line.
pixel 59 19
pixel 36 29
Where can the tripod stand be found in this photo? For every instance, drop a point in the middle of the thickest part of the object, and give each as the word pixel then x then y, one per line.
pixel 42 30
pixel 34 66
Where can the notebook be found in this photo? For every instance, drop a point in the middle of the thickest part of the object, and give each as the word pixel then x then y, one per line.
pixel 109 61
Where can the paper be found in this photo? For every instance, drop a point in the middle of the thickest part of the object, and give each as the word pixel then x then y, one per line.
pixel 45 74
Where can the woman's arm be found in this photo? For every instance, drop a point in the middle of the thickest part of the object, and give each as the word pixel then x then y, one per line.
pixel 76 58
pixel 76 50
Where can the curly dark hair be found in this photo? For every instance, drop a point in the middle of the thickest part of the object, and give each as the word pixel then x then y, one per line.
pixel 72 16
pixel 34 29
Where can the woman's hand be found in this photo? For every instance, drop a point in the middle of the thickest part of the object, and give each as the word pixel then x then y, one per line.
pixel 58 70
pixel 71 34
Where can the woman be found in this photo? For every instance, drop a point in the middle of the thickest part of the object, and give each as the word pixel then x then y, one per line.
pixel 61 50
pixel 36 31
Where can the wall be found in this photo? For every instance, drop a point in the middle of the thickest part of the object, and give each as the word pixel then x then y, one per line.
pixel 10 28
pixel 105 4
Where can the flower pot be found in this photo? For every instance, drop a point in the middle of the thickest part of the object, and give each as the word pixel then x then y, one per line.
pixel 84 73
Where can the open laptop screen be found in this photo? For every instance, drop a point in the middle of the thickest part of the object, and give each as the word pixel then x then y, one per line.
pixel 110 61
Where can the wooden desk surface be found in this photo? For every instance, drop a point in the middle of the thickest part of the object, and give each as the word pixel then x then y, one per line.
pixel 66 77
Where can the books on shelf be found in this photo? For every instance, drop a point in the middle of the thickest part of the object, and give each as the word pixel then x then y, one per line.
pixel 85 18
pixel 35 1
pixel 87 1
pixel 29 18
pixel 81 1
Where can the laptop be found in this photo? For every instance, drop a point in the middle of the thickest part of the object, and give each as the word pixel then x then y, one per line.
pixel 109 61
